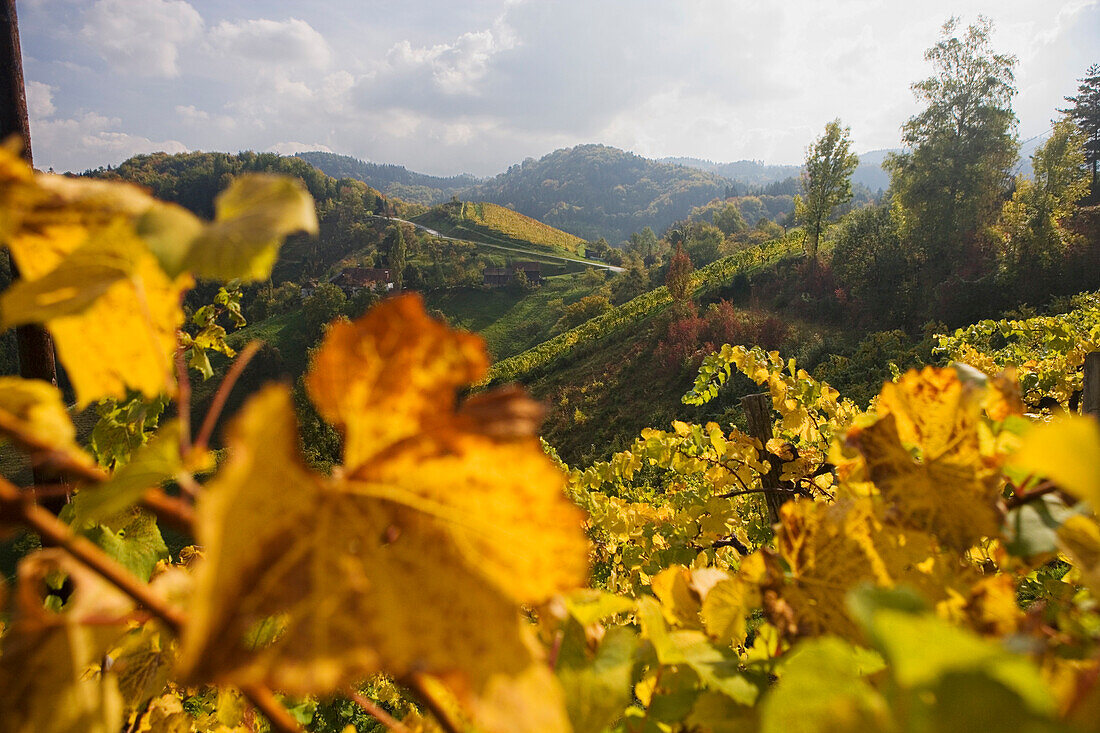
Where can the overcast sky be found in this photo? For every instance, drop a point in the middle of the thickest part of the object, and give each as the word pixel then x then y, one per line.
pixel 446 86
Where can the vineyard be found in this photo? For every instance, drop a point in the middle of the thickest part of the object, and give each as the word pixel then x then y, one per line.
pixel 485 222
pixel 929 562
pixel 704 280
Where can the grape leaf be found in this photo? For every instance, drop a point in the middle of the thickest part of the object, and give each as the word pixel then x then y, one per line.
pixel 44 685
pixel 32 410
pixel 415 561
pixel 1066 451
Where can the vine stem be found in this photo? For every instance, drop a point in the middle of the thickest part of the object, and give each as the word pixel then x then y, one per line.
pixel 378 713
pixel 218 403
pixel 55 532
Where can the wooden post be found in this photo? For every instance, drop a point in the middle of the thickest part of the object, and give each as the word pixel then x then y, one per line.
pixel 1090 395
pixel 36 354
pixel 758 414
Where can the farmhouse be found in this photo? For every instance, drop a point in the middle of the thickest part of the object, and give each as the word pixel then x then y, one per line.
pixel 353 279
pixel 500 276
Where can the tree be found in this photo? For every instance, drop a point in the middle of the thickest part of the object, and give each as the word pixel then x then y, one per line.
pixel 826 181
pixel 395 255
pixel 1030 228
pixel 1085 111
pixel 678 280
pixel 961 148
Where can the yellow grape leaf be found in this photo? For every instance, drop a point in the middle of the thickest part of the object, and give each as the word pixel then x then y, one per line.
pixel 934 410
pixel 49 660
pixel 1004 398
pixel 109 255
pixel 830 549
pixel 126 336
pixel 952 496
pixel 679 604
pixel 415 561
pixel 33 415
pixel 391 374
pixel 726 608
pixel 1079 539
pixel 1066 451
pixel 251 218
pixel 17 190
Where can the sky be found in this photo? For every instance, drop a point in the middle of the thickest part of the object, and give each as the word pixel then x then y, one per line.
pixel 448 87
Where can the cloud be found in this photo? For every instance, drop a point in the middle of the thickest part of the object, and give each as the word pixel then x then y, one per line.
pixel 142 37
pixel 270 44
pixel 40 100
pixel 89 141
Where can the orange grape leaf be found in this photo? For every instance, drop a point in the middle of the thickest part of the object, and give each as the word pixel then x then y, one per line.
pixel 412 560
pixel 47 683
pixel 389 375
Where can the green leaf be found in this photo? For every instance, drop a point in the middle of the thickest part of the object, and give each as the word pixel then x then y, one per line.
pixel 1032 529
pixel 921 649
pixel 132 539
pixel 822 690
pixel 253 216
pixel 152 464
pixel 589 605
pixel 597 690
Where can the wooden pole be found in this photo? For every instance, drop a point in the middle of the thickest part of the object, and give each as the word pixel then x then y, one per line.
pixel 36 354
pixel 1090 395
pixel 758 415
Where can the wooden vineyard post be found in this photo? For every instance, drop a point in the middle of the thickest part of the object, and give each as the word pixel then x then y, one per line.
pixel 1090 395
pixel 758 415
pixel 36 356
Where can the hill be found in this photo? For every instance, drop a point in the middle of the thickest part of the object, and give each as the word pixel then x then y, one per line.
pixel 596 190
pixel 748 172
pixel 393 180
pixel 493 224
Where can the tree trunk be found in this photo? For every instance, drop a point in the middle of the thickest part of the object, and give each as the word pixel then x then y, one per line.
pixel 758 414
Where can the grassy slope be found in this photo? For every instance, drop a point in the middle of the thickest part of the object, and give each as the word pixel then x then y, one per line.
pixel 509 321
pixel 498 225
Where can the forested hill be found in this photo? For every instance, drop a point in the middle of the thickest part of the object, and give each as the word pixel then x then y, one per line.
pixel 868 173
pixel 393 180
pixel 596 190
pixel 750 172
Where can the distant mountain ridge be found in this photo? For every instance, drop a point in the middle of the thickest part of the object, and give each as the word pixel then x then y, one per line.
pixel 597 190
pixel 869 172
pixel 392 180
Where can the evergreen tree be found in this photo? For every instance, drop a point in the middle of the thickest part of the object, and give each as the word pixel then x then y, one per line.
pixel 826 181
pixel 961 148
pixel 1085 112
pixel 395 255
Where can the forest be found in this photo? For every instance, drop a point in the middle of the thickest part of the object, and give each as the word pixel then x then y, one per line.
pixel 793 456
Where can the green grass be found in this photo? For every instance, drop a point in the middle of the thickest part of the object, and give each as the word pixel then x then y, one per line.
pixel 508 320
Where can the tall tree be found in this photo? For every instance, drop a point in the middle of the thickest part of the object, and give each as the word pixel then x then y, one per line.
pixel 1031 223
pixel 961 148
pixel 678 279
pixel 395 255
pixel 826 181
pixel 1085 112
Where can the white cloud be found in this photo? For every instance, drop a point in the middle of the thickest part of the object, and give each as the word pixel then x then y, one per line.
pixel 40 100
pixel 89 141
pixel 142 37
pixel 289 43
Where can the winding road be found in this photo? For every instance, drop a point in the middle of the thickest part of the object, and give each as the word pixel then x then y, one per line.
pixel 544 255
